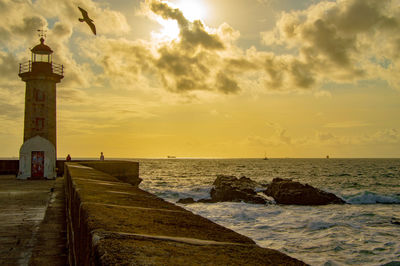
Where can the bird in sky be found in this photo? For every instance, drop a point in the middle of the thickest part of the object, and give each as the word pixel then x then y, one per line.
pixel 88 20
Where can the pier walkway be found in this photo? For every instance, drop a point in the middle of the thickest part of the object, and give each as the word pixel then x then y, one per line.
pixel 32 222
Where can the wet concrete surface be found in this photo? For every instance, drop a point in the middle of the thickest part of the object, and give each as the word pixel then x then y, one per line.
pixel 32 221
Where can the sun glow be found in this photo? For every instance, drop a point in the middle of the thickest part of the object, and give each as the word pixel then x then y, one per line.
pixel 191 9
pixel 170 29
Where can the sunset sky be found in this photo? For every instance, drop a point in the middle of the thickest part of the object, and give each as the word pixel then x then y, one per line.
pixel 211 78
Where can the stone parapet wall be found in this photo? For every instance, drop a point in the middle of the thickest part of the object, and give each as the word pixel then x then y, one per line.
pixel 123 170
pixel 9 167
pixel 111 222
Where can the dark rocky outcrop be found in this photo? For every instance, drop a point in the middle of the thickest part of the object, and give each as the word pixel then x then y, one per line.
pixel 286 191
pixel 232 189
pixel 395 221
pixel 186 201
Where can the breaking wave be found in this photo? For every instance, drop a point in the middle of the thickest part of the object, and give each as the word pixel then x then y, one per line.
pixel 367 197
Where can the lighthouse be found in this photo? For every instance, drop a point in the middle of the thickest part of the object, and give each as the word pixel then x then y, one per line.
pixel 38 153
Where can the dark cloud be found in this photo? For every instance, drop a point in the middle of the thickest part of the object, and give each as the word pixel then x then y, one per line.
pixel 275 72
pixel 192 33
pixel 325 40
pixel 357 16
pixel 336 33
pixel 302 76
pixel 61 30
pixel 240 64
pixel 178 64
pixel 181 71
pixel 226 84
pixel 197 35
pixel 166 12
pixel 29 25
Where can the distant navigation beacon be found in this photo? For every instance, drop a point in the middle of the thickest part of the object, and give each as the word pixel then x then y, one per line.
pixel 38 153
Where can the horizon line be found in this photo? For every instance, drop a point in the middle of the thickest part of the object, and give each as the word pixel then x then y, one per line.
pixel 204 158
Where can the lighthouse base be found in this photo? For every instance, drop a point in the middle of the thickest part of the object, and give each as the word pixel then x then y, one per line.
pixel 37 159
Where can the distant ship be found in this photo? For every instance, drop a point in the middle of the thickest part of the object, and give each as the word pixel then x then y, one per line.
pixel 265 156
pixel 171 157
pixel 327 157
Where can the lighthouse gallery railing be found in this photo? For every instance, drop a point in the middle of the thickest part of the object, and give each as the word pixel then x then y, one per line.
pixel 27 67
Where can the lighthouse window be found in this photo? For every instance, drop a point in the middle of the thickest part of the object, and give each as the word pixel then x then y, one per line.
pixel 42 58
pixel 39 95
pixel 39 125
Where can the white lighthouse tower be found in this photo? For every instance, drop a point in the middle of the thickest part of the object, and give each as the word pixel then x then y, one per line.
pixel 38 153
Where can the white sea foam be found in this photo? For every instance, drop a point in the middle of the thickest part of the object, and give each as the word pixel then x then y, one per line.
pixel 367 197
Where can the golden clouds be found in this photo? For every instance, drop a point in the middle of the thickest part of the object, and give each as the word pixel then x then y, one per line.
pixel 18 24
pixel 341 41
pixel 330 41
pixel 193 62
pixel 189 64
pixel 107 21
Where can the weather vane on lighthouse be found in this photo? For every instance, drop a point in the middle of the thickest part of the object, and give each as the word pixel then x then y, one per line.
pixel 42 33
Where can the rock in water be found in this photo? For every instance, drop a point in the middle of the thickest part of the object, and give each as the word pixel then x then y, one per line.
pixel 286 191
pixel 241 184
pixel 186 201
pixel 230 188
pixel 395 221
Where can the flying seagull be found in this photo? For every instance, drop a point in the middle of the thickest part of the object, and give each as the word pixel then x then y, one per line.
pixel 88 20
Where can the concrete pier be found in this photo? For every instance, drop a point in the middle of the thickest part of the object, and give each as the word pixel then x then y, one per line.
pixel 111 222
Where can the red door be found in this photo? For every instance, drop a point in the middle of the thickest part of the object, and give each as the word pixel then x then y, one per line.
pixel 37 166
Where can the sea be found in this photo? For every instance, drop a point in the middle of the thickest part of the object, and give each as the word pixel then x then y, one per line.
pixel 366 231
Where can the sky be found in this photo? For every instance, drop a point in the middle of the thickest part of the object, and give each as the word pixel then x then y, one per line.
pixel 211 78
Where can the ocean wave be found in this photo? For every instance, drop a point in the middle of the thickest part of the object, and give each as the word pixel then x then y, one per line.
pixel 319 225
pixel 368 197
